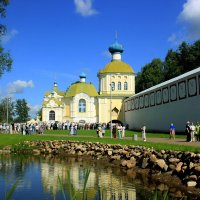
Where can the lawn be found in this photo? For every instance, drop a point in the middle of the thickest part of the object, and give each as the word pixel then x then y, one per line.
pixel 91 136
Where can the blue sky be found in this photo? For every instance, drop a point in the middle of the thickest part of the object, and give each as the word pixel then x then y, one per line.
pixel 53 40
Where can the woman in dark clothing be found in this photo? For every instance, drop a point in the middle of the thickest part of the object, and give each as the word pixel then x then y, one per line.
pixel 187 130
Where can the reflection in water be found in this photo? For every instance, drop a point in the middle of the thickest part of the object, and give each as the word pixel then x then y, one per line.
pixel 38 179
pixel 110 186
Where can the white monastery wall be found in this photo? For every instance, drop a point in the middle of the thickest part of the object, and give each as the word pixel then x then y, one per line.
pixel 174 101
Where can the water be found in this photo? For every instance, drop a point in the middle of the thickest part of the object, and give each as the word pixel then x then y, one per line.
pixel 38 179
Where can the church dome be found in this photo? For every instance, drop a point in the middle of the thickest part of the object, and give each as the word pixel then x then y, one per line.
pixel 117 66
pixel 116 47
pixel 81 87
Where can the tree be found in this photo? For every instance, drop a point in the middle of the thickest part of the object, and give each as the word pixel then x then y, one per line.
pixel 21 110
pixel 39 114
pixel 6 110
pixel 5 58
pixel 152 74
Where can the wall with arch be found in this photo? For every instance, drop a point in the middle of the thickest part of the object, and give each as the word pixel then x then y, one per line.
pixel 174 101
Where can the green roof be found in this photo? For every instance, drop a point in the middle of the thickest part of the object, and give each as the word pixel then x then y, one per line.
pixel 81 87
pixel 55 89
pixel 117 66
pixel 59 103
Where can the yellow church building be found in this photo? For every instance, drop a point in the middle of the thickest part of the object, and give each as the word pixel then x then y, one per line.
pixel 82 103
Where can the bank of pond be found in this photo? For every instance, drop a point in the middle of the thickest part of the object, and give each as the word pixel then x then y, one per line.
pixel 174 172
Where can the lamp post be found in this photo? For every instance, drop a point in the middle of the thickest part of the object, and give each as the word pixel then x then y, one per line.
pixel 110 108
pixel 7 110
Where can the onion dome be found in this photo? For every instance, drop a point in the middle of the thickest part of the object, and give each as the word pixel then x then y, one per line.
pixel 82 75
pixel 116 47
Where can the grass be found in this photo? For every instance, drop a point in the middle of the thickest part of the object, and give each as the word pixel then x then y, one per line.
pixel 91 136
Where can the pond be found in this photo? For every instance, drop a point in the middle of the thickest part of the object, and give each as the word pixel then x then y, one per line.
pixel 38 178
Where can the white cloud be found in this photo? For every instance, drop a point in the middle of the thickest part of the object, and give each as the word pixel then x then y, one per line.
pixel 189 19
pixel 84 7
pixel 8 36
pixel 190 16
pixel 18 86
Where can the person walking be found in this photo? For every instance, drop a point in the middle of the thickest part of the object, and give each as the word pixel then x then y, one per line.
pixel 144 133
pixel 172 131
pixel 114 131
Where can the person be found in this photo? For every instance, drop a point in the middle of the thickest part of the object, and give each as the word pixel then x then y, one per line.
pixel 103 129
pixel 123 131
pixel 144 133
pixel 197 131
pixel 72 129
pixel 172 131
pixel 187 130
pixel 192 132
pixel 114 131
pixel 99 131
pixel 119 128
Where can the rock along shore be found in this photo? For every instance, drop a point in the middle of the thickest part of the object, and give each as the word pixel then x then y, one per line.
pixel 185 165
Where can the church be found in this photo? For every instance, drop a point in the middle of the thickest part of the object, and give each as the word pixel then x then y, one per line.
pixel 82 103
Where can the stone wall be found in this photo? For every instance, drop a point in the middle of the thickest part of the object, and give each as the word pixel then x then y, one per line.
pixel 185 165
pixel 175 101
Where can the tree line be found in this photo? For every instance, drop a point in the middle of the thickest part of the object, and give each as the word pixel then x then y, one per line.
pixel 5 58
pixel 14 111
pixel 185 58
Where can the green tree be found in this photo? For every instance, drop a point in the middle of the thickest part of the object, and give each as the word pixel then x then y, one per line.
pixel 21 110
pixel 5 58
pixel 6 110
pixel 172 66
pixel 39 114
pixel 152 74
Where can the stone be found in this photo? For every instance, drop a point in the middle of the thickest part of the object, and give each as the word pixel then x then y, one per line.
pixel 109 152
pixel 123 163
pixel 153 158
pixel 161 163
pixel 130 164
pixel 197 168
pixel 179 166
pixel 193 177
pixel 191 183
pixel 174 160
pixel 145 163
pixel 161 187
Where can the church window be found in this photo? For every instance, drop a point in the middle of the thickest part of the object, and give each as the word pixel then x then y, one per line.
pixel 51 115
pixel 113 86
pixel 125 86
pixel 82 105
pixel 119 85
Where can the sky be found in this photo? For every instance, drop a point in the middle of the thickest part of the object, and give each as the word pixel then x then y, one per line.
pixel 56 40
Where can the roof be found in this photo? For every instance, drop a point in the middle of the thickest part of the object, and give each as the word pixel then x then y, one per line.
pixel 59 103
pixel 116 47
pixel 117 66
pixel 81 87
pixel 55 89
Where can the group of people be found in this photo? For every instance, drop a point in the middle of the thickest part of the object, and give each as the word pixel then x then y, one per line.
pixel 192 131
pixel 118 129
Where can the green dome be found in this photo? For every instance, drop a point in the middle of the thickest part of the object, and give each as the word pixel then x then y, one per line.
pixel 117 66
pixel 116 47
pixel 81 87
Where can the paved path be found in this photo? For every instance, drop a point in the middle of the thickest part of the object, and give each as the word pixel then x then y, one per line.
pixel 177 141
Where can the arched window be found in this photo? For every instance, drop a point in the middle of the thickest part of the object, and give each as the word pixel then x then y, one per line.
pixel 119 85
pixel 52 115
pixel 125 86
pixel 82 105
pixel 113 86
